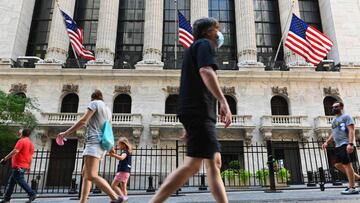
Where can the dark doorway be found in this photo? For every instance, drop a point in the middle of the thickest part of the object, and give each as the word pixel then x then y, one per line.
pixel 232 151
pixel 287 155
pixel 279 106
pixel 70 103
pixel 171 104
pixel 62 163
pixel 122 104
pixel 328 102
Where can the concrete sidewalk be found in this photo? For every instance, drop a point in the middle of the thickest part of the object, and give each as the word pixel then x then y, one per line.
pixel 310 195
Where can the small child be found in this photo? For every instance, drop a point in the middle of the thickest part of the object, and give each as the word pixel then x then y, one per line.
pixel 123 170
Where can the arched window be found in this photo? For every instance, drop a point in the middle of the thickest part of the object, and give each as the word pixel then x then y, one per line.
pixel 70 103
pixel 328 102
pixel 23 96
pixel 232 104
pixel 122 104
pixel 224 12
pixel 171 104
pixel 310 13
pixel 279 106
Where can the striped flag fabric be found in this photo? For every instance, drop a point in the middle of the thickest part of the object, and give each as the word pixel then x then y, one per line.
pixel 76 37
pixel 307 41
pixel 185 31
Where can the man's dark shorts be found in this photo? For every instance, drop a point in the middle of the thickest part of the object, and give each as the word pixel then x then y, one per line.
pixel 343 157
pixel 201 137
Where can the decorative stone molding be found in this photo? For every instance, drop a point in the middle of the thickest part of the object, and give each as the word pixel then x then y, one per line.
pixel 279 91
pixel 246 52
pixel 80 134
pixel 122 89
pixel 105 51
pixel 7 61
pixel 248 136
pixel 70 88
pixel 228 90
pixel 331 91
pixel 267 134
pixel 137 134
pixel 155 134
pixel 100 61
pixel 152 51
pixel 43 135
pixel 19 87
pixel 172 90
pixel 57 50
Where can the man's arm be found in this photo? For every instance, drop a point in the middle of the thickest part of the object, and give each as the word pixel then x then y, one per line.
pixel 327 142
pixel 12 153
pixel 351 129
pixel 211 82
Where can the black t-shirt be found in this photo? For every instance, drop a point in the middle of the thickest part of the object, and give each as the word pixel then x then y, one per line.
pixel 125 165
pixel 194 98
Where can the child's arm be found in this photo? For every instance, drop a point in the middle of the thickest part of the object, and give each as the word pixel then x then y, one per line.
pixel 120 157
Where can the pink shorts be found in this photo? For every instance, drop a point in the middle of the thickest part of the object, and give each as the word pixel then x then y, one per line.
pixel 122 176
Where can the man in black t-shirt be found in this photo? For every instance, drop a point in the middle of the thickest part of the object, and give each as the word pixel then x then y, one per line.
pixel 199 91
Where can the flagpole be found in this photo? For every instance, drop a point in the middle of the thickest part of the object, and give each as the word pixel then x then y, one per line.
pixel 77 60
pixel 283 32
pixel 176 33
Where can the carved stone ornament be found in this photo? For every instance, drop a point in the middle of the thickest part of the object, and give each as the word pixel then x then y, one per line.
pixel 246 52
pixel 331 91
pixel 172 90
pixel 122 89
pixel 228 90
pixel 153 51
pixel 19 87
pixel 279 91
pixel 70 88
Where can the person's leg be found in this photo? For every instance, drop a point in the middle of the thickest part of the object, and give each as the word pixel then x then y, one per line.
pixel 341 168
pixel 177 178
pixel 115 187
pixel 86 185
pixel 23 184
pixel 10 186
pixel 92 174
pixel 214 178
pixel 350 174
pixel 123 186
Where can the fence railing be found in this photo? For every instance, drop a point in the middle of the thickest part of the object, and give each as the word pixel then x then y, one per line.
pixel 288 121
pixel 295 163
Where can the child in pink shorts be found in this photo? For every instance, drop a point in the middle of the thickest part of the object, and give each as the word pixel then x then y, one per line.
pixel 121 178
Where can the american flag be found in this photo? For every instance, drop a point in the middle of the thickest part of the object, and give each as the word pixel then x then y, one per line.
pixel 185 31
pixel 76 37
pixel 307 41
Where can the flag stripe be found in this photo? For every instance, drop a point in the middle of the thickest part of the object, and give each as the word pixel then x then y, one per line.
pixel 185 31
pixel 306 41
pixel 76 38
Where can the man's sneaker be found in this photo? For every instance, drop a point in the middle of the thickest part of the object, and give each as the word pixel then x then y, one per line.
pixel 31 198
pixel 119 200
pixel 350 191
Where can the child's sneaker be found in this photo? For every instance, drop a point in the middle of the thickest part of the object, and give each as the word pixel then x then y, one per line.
pixel 119 200
pixel 350 191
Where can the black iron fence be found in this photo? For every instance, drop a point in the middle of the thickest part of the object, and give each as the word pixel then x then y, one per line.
pixel 301 163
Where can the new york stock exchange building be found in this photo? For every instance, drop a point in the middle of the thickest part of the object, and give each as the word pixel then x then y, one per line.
pixel 287 101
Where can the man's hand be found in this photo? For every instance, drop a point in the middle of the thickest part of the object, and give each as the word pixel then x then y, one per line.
pixel 225 113
pixel 349 149
pixel 183 135
pixel 324 146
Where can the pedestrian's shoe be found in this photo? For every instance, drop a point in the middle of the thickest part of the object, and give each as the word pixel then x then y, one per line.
pixel 119 200
pixel 350 191
pixel 31 198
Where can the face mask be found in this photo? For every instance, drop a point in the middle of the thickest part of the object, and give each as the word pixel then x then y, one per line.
pixel 336 110
pixel 220 39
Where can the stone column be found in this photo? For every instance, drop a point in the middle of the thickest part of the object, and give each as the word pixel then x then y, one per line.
pixel 199 9
pixel 246 34
pixel 106 32
pixel 58 44
pixel 153 34
pixel 290 57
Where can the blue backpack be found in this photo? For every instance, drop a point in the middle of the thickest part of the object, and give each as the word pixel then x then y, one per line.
pixel 107 139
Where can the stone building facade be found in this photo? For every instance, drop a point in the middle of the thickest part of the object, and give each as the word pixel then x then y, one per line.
pixel 268 103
